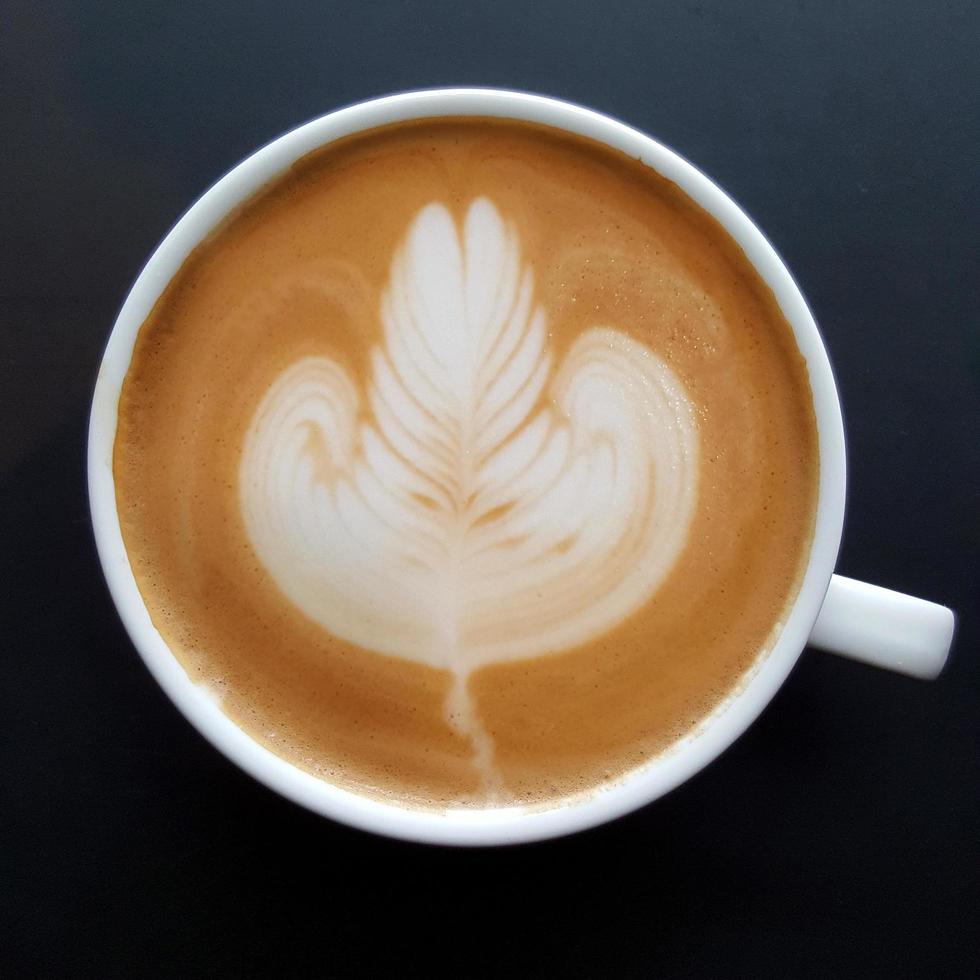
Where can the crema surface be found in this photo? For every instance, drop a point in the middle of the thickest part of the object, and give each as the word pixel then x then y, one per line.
pixel 469 462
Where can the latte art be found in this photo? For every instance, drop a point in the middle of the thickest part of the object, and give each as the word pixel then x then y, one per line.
pixel 468 463
pixel 503 506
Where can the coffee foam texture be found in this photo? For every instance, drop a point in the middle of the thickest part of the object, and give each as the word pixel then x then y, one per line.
pixel 477 503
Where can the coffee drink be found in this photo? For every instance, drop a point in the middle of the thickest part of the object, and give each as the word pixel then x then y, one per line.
pixel 468 463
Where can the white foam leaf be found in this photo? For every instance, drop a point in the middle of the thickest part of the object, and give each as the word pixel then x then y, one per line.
pixel 473 504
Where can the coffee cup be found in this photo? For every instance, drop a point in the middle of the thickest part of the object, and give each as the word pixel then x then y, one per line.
pixel 829 612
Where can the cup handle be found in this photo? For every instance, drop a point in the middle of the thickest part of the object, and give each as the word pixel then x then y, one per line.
pixel 884 628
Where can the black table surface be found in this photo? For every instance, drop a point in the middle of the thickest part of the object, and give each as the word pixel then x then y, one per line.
pixel 839 837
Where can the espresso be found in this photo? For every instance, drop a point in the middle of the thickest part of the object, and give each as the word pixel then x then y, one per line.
pixel 469 463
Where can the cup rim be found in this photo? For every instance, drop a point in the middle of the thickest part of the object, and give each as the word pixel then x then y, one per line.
pixel 467 826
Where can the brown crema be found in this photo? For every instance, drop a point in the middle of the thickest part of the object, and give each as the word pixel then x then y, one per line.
pixel 299 270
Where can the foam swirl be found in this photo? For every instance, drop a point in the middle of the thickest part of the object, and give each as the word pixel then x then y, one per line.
pixel 475 504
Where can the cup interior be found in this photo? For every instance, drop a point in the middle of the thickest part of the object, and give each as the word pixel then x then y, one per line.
pixel 466 826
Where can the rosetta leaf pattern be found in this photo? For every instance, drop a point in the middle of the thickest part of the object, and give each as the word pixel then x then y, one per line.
pixel 476 502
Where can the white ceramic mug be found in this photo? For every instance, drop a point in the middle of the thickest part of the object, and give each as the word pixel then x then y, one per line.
pixel 830 612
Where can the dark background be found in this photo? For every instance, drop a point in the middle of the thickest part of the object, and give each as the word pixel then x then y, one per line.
pixel 838 838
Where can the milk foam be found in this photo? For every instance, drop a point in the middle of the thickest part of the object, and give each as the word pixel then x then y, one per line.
pixel 477 503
